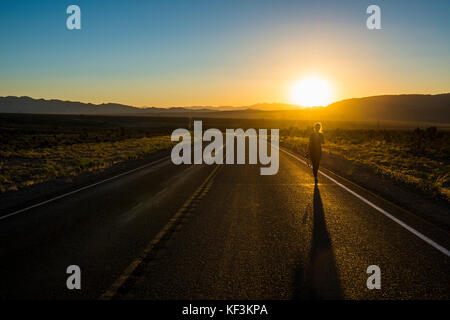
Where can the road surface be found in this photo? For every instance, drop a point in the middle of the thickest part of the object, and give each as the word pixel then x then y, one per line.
pixel 235 235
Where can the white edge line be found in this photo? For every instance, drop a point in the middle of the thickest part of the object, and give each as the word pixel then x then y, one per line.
pixel 84 188
pixel 390 216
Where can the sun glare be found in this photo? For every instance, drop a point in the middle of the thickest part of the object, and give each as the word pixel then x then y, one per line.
pixel 311 92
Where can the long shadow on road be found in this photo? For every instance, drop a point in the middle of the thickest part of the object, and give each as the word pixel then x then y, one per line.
pixel 322 277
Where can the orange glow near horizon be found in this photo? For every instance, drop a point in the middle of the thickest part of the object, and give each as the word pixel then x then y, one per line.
pixel 311 92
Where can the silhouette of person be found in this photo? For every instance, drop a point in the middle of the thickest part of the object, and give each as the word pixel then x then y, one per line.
pixel 315 148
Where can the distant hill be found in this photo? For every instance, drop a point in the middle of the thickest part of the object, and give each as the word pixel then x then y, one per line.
pixel 409 107
pixel 13 104
pixel 30 105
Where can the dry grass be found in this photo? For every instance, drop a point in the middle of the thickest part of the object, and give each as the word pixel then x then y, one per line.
pixel 418 158
pixel 23 167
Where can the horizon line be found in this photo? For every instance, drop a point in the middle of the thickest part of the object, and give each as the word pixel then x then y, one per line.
pixel 223 106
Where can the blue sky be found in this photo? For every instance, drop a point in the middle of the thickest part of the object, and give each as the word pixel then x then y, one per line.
pixel 164 53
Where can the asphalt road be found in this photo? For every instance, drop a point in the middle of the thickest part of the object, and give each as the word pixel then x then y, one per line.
pixel 236 235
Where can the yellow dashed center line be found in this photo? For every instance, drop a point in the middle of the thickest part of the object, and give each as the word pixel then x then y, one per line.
pixel 188 206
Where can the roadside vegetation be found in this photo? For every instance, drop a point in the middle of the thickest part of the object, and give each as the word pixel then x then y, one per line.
pixel 419 157
pixel 42 148
pixel 24 167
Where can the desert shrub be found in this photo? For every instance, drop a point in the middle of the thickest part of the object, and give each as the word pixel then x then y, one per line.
pixel 417 157
pixel 28 166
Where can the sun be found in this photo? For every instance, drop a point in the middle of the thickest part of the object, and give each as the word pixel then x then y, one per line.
pixel 310 92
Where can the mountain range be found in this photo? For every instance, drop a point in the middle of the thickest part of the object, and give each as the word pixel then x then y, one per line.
pixel 406 107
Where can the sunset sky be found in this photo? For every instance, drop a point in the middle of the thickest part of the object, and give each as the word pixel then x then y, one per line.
pixel 184 53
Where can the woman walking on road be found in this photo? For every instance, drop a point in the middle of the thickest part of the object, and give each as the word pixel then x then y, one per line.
pixel 315 148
